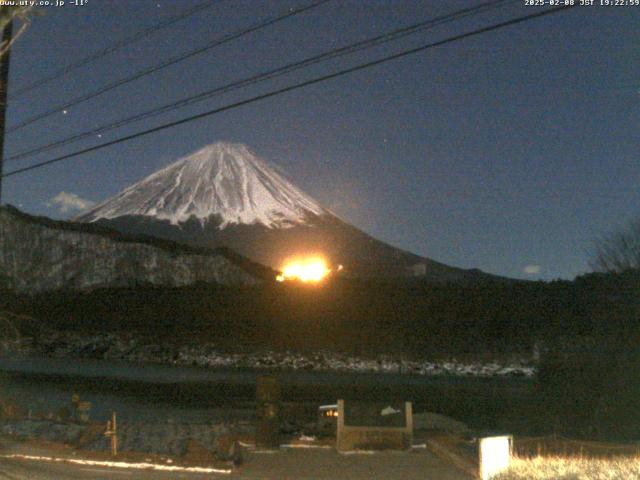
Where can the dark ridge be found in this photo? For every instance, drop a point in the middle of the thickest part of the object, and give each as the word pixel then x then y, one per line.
pixel 174 248
pixel 341 243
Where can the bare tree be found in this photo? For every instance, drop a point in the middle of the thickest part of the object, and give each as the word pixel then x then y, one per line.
pixel 619 251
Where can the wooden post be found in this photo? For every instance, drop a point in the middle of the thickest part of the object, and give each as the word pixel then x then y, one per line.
pixel 268 412
pixel 340 425
pixel 112 431
pixel 114 436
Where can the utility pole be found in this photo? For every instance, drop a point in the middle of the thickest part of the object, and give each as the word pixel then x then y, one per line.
pixel 4 87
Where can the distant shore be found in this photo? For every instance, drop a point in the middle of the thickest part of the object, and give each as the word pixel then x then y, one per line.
pixel 115 348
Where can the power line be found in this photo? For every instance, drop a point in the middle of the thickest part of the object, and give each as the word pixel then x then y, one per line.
pixel 126 42
pixel 268 75
pixel 293 87
pixel 171 61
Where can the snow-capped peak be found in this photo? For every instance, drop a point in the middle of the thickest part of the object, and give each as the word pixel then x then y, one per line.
pixel 221 179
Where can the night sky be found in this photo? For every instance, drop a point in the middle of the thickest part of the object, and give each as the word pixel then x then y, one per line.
pixel 511 151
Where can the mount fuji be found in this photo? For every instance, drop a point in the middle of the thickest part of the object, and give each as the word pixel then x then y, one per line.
pixel 225 195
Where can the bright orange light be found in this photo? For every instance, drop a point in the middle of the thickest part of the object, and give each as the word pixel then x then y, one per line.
pixel 306 270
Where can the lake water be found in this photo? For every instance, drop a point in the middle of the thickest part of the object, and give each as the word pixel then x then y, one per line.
pixel 193 394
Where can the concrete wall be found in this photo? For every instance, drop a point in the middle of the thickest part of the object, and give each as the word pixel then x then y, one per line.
pixel 374 437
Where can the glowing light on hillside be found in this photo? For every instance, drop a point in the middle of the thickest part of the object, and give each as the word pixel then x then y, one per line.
pixel 305 270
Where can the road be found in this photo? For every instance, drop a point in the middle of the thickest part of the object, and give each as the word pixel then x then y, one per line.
pixel 303 464
pixel 295 464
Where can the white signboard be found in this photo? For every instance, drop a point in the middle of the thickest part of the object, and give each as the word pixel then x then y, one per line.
pixel 495 455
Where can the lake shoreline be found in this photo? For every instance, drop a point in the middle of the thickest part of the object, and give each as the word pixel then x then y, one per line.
pixel 108 347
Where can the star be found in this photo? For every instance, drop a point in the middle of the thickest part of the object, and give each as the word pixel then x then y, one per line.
pixel 64 112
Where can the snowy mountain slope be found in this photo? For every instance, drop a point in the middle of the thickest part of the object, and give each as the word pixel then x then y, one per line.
pixel 222 179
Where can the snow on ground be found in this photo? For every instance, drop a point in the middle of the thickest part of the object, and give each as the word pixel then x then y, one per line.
pixel 127 465
pixel 111 347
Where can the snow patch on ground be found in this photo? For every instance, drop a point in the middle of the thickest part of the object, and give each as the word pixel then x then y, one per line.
pixel 127 465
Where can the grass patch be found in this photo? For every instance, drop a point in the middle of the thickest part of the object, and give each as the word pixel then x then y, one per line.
pixel 572 468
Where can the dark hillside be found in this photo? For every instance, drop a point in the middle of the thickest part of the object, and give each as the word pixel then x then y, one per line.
pixel 416 318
